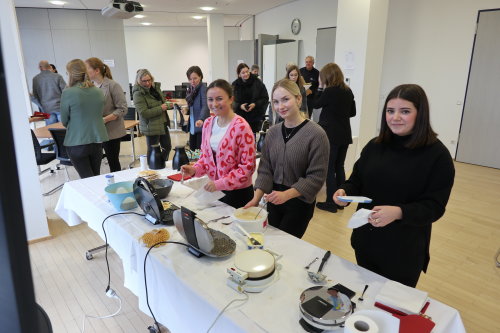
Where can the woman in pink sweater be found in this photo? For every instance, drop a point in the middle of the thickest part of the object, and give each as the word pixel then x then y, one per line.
pixel 228 149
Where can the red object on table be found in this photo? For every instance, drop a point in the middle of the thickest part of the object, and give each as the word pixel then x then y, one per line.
pixel 39 114
pixel 178 177
pixel 410 323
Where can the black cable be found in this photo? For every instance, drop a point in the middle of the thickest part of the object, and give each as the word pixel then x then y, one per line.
pixel 146 282
pixel 106 240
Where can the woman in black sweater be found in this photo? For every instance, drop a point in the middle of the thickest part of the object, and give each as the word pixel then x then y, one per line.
pixel 409 175
pixel 250 97
pixel 337 101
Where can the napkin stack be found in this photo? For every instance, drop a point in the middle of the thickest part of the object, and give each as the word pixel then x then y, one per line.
pixel 401 297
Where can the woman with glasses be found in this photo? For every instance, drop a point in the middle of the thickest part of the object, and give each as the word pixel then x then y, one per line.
pixel 152 109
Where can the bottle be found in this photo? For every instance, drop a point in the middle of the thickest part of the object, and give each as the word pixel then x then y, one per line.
pixel 180 158
pixel 110 179
pixel 156 160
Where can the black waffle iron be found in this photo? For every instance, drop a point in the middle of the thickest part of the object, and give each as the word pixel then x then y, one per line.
pixel 147 198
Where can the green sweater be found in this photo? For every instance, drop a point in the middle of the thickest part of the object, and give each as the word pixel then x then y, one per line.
pixel 81 114
pixel 151 117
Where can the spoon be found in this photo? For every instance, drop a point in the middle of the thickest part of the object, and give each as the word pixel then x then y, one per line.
pixel 362 294
pixel 312 262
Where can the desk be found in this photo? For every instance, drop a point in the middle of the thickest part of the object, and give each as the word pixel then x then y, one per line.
pixel 43 133
pixel 187 293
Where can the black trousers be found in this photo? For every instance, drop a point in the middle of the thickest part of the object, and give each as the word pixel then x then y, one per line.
pixel 310 105
pixel 112 150
pixel 292 217
pixel 336 171
pixel 86 159
pixel 194 141
pixel 238 198
pixel 163 140
pixel 394 266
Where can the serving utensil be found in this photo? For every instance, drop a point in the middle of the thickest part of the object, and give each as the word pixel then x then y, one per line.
pixel 318 277
pixel 362 294
pixel 252 240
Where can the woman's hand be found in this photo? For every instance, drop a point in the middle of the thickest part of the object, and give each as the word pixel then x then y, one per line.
pixel 210 186
pixel 339 193
pixel 198 123
pixel 188 170
pixel 184 109
pixel 277 197
pixel 244 107
pixel 384 215
pixel 251 107
pixel 252 203
pixel 164 106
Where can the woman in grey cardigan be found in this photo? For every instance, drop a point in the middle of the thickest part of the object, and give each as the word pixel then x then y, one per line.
pixel 197 103
pixel 81 114
pixel 115 107
pixel 293 164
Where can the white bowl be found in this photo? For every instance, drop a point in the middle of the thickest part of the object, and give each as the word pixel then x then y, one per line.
pixel 245 217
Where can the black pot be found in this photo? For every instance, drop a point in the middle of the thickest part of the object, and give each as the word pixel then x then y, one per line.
pixel 180 158
pixel 156 160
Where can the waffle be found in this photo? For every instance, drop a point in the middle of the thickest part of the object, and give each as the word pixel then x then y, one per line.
pixel 149 175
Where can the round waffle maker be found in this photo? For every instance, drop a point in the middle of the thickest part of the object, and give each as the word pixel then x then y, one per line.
pixel 323 308
pixel 253 270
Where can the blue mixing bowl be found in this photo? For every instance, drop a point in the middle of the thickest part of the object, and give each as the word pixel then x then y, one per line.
pixel 121 195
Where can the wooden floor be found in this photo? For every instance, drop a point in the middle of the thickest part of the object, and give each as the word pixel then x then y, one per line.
pixel 462 271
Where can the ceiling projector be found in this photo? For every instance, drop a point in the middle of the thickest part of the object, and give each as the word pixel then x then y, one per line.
pixel 122 9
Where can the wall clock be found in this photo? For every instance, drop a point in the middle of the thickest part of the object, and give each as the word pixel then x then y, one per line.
pixel 296 25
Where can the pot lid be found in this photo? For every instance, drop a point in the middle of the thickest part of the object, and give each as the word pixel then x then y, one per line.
pixel 325 307
pixel 257 263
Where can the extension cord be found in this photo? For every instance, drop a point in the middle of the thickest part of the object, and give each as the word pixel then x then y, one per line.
pixel 111 293
pixel 152 329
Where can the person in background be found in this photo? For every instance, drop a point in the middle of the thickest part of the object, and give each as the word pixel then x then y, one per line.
pixel 47 90
pixel 311 76
pixel 289 64
pixel 53 68
pixel 197 103
pixel 293 164
pixel 227 149
pixel 337 101
pixel 293 73
pixel 152 109
pixel 115 108
pixel 408 173
pixel 250 97
pixel 255 70
pixel 81 114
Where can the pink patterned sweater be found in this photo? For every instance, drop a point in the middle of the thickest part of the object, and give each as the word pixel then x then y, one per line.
pixel 235 156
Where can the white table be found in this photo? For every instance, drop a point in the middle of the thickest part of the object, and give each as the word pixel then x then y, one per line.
pixel 187 293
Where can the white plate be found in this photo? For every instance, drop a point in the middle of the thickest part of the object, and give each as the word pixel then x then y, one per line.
pixel 350 198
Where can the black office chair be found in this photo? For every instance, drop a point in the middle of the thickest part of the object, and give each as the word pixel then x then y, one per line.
pixel 42 158
pixel 62 156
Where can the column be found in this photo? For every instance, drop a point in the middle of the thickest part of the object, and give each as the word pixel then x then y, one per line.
pixel 216 58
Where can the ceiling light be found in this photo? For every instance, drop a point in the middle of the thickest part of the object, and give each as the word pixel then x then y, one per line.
pixel 146 23
pixel 197 17
pixel 58 3
pixel 207 8
pixel 139 16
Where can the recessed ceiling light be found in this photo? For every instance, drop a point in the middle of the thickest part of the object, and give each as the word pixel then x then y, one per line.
pixel 58 3
pixel 146 23
pixel 139 16
pixel 197 17
pixel 207 8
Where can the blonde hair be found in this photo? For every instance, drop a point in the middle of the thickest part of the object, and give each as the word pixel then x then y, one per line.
pixel 300 79
pixel 78 74
pixel 96 63
pixel 331 75
pixel 289 86
pixel 141 73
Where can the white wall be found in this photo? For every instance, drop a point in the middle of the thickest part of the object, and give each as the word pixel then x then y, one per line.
pixel 169 51
pixel 313 14
pixel 430 43
pixel 17 89
pixel 60 35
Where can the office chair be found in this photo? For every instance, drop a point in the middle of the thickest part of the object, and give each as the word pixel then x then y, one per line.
pixel 58 135
pixel 42 158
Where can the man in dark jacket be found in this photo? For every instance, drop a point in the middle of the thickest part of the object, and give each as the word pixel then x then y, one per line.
pixel 47 90
pixel 311 76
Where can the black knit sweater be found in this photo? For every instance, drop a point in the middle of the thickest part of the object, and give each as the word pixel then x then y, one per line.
pixel 419 181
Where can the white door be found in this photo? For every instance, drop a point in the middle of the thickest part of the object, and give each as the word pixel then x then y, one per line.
pixel 479 139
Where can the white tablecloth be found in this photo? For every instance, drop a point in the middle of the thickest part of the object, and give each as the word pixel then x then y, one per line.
pixel 187 293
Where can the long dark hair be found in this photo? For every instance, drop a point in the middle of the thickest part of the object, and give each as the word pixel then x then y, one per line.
pixel 222 84
pixel 422 134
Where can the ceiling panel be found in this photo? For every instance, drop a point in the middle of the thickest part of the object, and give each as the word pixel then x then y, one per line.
pixel 173 12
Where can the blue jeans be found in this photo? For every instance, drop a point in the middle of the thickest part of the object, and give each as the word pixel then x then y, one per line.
pixel 54 118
